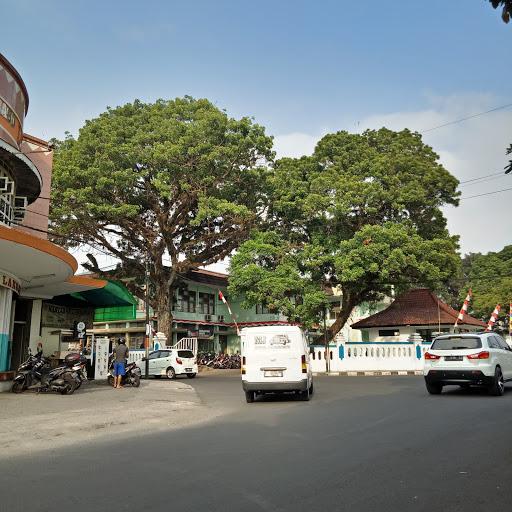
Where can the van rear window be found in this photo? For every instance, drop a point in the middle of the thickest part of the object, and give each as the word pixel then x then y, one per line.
pixel 456 343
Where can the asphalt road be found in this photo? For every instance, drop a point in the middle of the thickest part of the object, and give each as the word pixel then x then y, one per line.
pixel 361 444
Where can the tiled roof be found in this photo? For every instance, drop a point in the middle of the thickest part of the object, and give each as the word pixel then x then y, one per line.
pixel 208 277
pixel 416 307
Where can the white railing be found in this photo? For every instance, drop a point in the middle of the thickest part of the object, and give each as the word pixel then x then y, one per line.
pixel 369 356
pixel 183 344
pixel 136 355
pixel 186 344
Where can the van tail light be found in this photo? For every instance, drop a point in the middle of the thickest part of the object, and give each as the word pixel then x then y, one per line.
pixel 481 355
pixel 179 361
pixel 243 365
pixel 431 357
pixel 304 365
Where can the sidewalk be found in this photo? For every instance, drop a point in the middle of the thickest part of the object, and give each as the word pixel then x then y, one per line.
pixel 46 421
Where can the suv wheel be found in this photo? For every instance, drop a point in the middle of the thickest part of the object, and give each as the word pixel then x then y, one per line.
pixel 249 396
pixel 171 374
pixel 497 388
pixel 434 388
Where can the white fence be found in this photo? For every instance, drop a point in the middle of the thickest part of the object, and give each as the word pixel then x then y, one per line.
pixel 369 356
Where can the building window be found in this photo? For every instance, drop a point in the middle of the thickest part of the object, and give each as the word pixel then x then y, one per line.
pixel 388 332
pixel 7 192
pixel 206 303
pixel 186 301
pixel 365 335
pixel 261 309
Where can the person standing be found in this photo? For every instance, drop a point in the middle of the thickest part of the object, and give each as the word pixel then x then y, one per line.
pixel 121 353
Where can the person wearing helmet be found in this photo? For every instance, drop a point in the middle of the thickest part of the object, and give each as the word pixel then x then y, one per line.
pixel 120 357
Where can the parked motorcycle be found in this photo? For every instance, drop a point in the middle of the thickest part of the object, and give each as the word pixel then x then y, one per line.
pixel 29 373
pixel 131 375
pixel 35 374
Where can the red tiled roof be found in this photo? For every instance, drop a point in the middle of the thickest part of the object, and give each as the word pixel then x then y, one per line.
pixel 416 307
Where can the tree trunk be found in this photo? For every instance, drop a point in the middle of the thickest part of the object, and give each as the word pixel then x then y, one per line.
pixel 163 310
pixel 341 319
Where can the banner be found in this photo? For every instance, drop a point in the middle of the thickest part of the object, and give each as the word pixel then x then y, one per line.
pixel 101 358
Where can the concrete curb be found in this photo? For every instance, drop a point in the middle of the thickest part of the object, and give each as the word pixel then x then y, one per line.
pixel 367 373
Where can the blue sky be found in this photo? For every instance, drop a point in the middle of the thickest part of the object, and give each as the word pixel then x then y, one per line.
pixel 301 68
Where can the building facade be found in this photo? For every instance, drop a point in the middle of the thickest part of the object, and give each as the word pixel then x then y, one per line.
pixel 417 311
pixel 197 312
pixel 32 269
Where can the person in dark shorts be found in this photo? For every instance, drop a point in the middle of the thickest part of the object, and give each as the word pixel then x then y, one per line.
pixel 120 357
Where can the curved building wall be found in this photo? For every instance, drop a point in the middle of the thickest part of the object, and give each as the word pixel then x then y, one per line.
pixel 13 103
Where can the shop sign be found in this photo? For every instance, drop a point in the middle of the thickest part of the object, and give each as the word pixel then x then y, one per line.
pixel 63 317
pixel 11 283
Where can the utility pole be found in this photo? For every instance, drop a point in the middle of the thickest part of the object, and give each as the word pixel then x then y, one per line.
pixel 148 327
pixel 327 359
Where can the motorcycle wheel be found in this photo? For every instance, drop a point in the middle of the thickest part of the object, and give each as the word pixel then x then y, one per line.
pixel 136 381
pixel 69 389
pixel 110 380
pixel 18 386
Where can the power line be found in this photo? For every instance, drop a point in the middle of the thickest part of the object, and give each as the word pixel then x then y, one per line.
pixel 501 173
pixel 494 178
pixel 486 194
pixel 456 121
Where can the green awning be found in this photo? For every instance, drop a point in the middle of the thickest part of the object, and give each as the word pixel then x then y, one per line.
pixel 112 294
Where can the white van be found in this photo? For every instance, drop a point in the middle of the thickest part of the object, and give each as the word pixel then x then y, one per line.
pixel 275 358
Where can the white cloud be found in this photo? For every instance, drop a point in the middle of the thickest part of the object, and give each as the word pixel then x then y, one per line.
pixel 295 144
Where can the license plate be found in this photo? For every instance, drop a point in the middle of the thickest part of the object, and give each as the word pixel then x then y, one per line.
pixel 453 358
pixel 188 369
pixel 273 373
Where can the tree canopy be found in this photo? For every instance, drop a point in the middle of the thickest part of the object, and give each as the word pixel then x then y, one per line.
pixel 361 214
pixel 506 12
pixel 490 277
pixel 177 181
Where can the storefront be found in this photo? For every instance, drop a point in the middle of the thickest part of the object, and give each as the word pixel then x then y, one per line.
pixel 34 273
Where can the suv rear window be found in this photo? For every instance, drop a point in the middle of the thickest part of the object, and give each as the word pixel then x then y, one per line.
pixel 186 354
pixel 456 343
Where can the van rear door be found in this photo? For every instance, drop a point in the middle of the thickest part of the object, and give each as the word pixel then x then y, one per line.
pixel 273 357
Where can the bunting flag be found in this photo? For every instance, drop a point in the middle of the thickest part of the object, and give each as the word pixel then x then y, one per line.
pixel 493 318
pixel 224 301
pixel 464 308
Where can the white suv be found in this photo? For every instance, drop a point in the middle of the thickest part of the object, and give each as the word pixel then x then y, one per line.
pixel 473 359
pixel 171 363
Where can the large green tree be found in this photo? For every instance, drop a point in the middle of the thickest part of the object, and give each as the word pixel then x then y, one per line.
pixel 361 214
pixel 490 277
pixel 506 11
pixel 178 182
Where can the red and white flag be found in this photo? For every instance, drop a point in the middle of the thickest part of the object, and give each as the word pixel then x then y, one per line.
pixel 224 301
pixel 464 308
pixel 493 318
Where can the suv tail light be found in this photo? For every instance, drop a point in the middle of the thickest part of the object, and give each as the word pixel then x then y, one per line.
pixel 431 357
pixel 481 355
pixel 179 361
pixel 304 365
pixel 243 365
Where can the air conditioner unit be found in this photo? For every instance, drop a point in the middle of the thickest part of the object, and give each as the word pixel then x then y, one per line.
pixel 208 318
pixel 6 186
pixel 20 202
